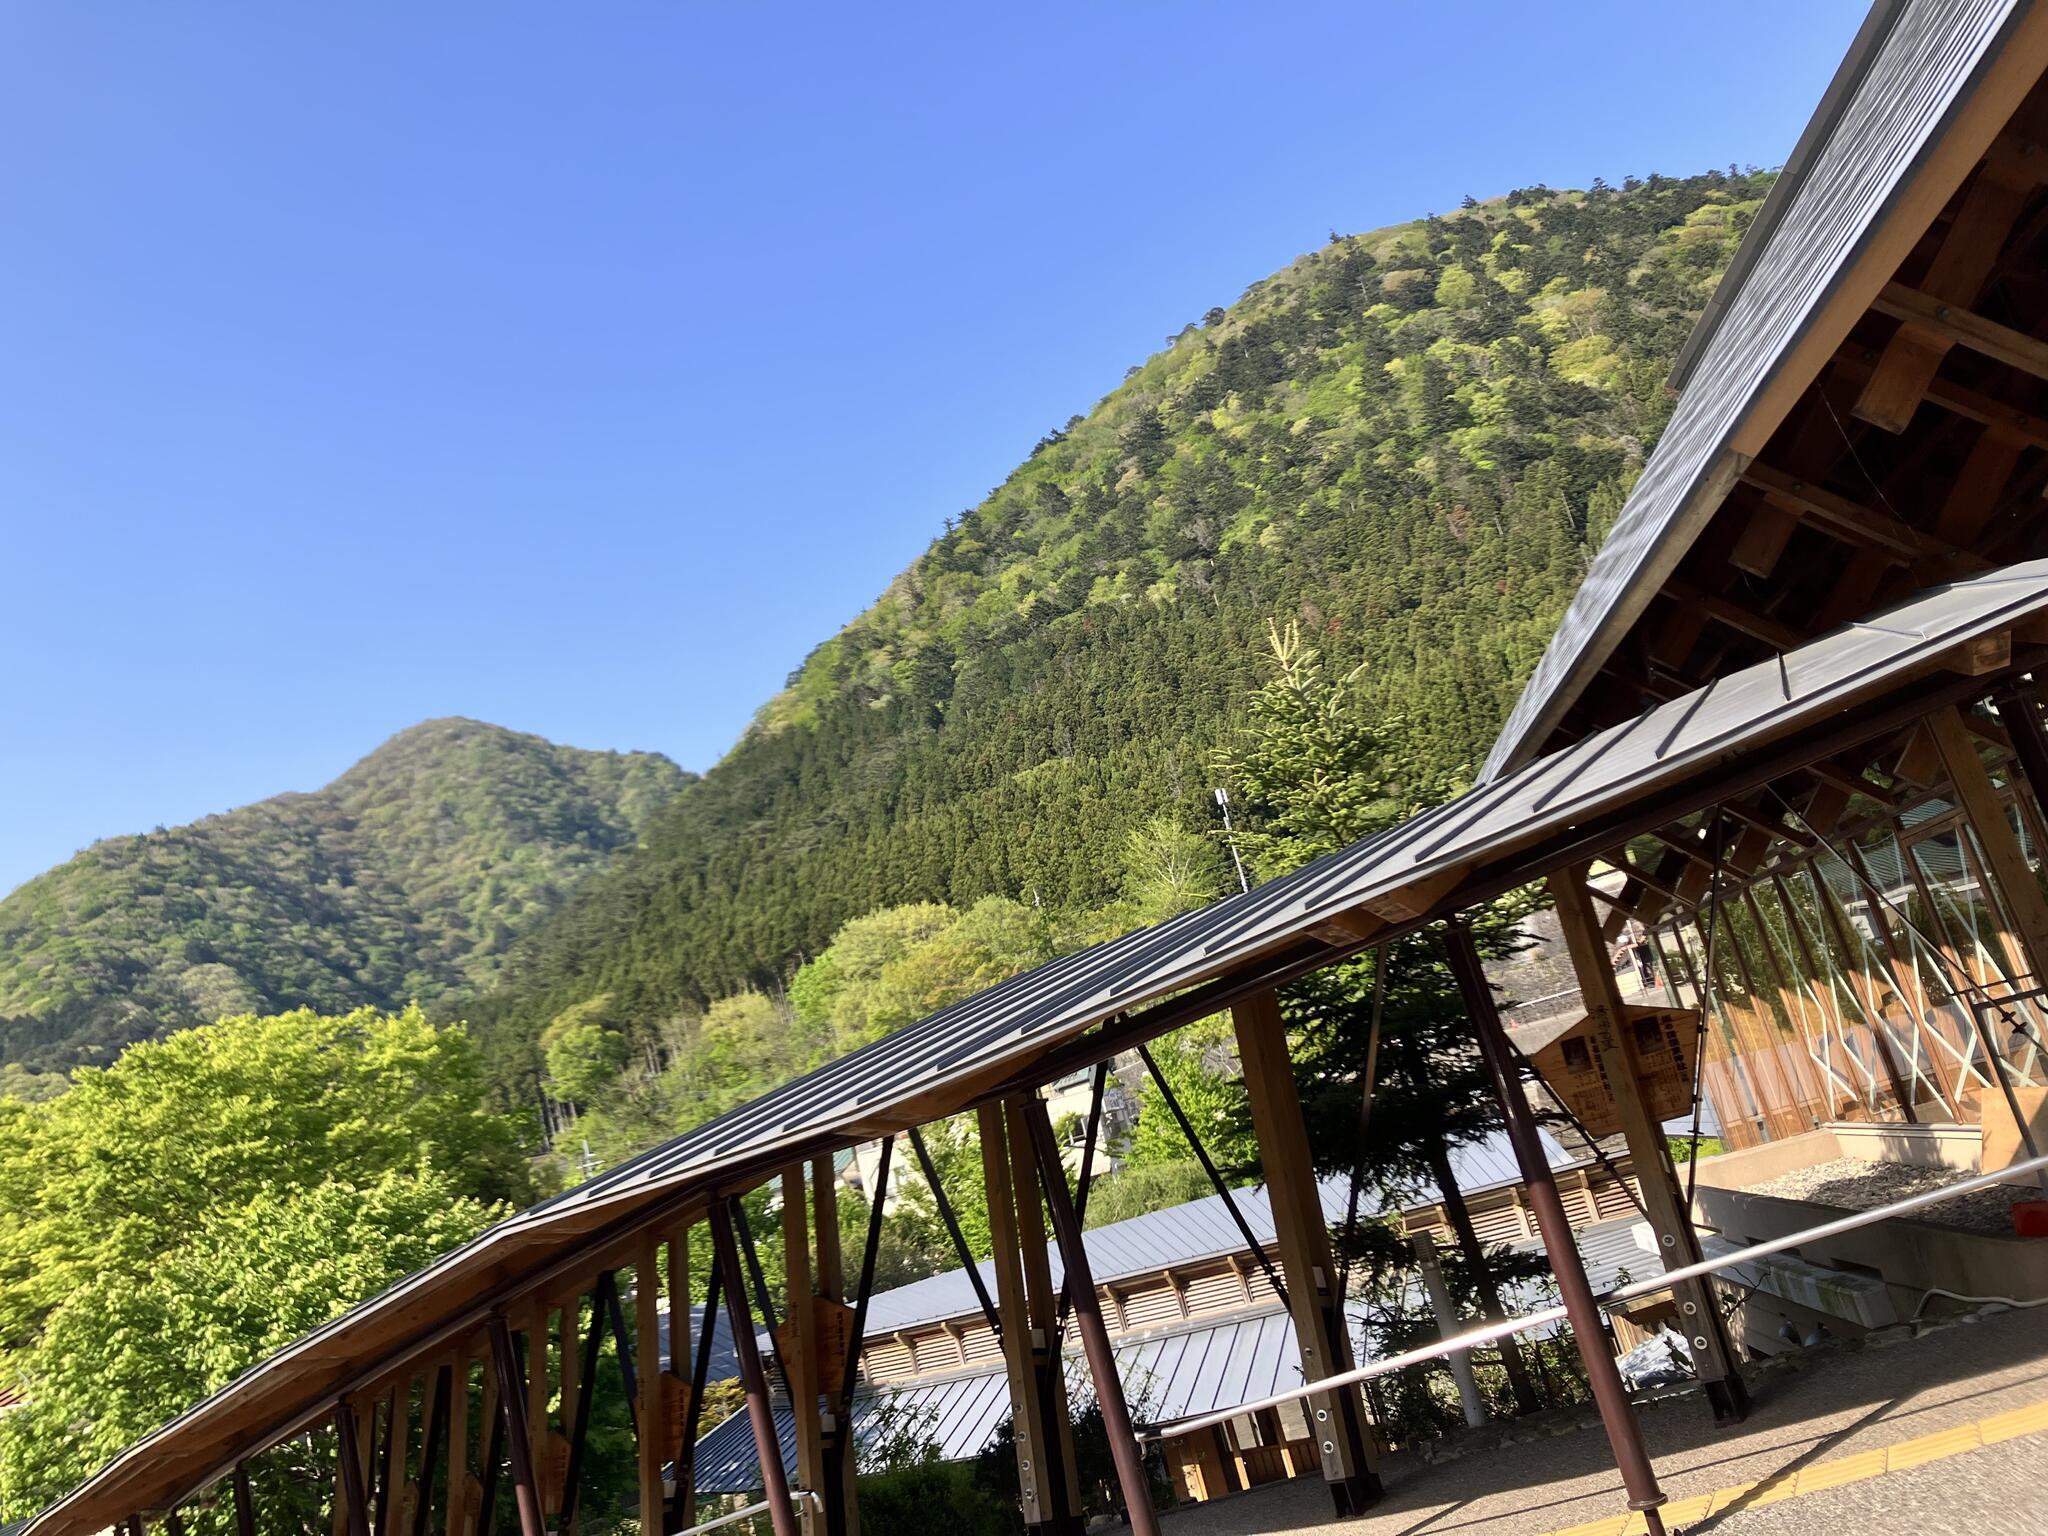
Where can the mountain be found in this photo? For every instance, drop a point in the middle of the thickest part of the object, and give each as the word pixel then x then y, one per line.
pixel 406 878
pixel 1410 441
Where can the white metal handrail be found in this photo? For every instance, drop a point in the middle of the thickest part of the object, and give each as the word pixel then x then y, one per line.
pixel 1646 1287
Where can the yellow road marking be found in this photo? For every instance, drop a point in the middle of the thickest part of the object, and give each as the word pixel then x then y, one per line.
pixel 1916 1452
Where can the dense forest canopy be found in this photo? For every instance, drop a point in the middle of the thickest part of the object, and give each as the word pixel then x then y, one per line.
pixel 404 880
pixel 1409 441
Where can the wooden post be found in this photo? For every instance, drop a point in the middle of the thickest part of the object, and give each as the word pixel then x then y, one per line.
pixel 799 1346
pixel 839 1506
pixel 732 1282
pixel 539 1438
pixel 512 1403
pixel 569 1319
pixel 2019 893
pixel 676 1380
pixel 1109 1388
pixel 647 1376
pixel 459 1493
pixel 391 1482
pixel 1042 1307
pixel 1038 1461
pixel 1337 1418
pixel 1678 1245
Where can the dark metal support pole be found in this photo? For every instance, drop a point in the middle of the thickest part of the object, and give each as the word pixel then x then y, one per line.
pixel 430 1454
pixel 1081 1187
pixel 952 1224
pixel 245 1502
pixel 1109 1388
pixel 1617 1413
pixel 579 1434
pixel 623 1343
pixel 518 1440
pixel 774 1480
pixel 348 1479
pixel 762 1296
pixel 1187 1131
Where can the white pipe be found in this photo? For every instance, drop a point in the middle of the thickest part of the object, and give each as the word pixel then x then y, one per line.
pixel 1655 1283
pixel 743 1514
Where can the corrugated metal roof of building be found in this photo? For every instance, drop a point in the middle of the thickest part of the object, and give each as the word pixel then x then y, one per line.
pixel 1169 1375
pixel 1905 93
pixel 1173 1374
pixel 1184 1234
pixel 1546 805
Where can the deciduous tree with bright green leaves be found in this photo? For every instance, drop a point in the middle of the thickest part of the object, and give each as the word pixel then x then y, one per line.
pixel 206 1199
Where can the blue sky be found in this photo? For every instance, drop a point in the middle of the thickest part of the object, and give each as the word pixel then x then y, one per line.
pixel 579 368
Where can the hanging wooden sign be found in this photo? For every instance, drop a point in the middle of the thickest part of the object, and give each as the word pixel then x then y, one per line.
pixel 1666 1041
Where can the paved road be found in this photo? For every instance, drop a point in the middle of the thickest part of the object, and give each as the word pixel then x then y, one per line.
pixel 2001 1490
pixel 1843 1404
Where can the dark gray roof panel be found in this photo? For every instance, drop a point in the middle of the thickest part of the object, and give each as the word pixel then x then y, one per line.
pixel 1917 74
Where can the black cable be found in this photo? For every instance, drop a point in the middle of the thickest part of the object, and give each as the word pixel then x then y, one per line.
pixel 1699 1050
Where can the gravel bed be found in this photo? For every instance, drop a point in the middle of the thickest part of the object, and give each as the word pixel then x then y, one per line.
pixel 1857 1185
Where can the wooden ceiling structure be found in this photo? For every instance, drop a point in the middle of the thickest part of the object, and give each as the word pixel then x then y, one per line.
pixel 1829 566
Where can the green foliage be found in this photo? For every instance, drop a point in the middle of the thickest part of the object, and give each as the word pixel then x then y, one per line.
pixel 1682 1147
pixel 1405 444
pixel 1132 1191
pixel 210 1197
pixel 1199 1064
pixel 405 879
pixel 1169 869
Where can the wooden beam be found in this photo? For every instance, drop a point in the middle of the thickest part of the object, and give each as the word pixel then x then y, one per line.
pixel 1035 1461
pixel 1852 522
pixel 1979 657
pixel 1996 416
pixel 1303 1239
pixel 1778 636
pixel 2018 891
pixel 1615 1047
pixel 1042 1301
pixel 647 1377
pixel 1982 223
pixel 1965 328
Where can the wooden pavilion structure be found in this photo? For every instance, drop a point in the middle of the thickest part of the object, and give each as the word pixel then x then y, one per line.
pixel 1820 614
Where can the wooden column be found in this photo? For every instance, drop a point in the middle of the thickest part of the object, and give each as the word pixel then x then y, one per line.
pixel 539 1439
pixel 840 1502
pixel 676 1384
pixel 648 1417
pixel 459 1492
pixel 1042 1304
pixel 1614 1044
pixel 351 1487
pixel 798 1348
pixel 1040 1485
pixel 1337 1418
pixel 2019 893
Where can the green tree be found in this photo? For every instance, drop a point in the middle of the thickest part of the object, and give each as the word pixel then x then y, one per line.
pixel 210 1197
pixel 1319 775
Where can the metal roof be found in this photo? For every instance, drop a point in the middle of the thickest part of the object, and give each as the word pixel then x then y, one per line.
pixel 1188 1233
pixel 1909 73
pixel 943 1058
pixel 1169 1375
pixel 1172 1374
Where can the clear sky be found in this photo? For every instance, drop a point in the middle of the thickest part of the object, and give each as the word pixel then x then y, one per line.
pixel 580 367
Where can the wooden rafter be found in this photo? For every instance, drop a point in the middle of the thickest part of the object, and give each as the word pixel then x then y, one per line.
pixel 1956 276
pixel 1965 328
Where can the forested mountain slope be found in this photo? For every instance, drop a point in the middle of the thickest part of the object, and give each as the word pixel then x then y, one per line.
pixel 1410 440
pixel 406 878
